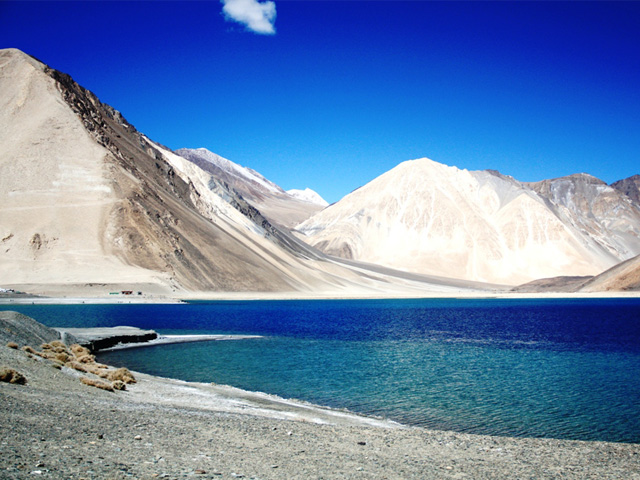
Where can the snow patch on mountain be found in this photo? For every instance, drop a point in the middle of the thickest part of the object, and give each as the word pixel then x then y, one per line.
pixel 308 195
pixel 243 173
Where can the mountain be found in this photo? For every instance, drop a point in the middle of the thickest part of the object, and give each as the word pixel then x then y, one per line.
pixel 89 205
pixel 622 277
pixel 630 187
pixel 278 206
pixel 85 199
pixel 308 195
pixel 596 209
pixel 625 276
pixel 430 218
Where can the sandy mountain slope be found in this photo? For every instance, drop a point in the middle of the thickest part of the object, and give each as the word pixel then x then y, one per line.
pixel 88 202
pixel 86 199
pixel 602 212
pixel 426 217
pixel 278 206
pixel 623 277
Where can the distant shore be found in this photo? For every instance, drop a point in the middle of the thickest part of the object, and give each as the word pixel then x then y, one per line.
pixel 246 296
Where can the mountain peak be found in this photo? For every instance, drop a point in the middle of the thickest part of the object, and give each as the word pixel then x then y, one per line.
pixel 308 195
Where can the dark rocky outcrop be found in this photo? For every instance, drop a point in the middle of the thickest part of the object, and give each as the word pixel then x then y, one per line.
pixel 630 187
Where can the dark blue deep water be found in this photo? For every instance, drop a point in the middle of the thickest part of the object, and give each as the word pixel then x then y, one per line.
pixel 542 368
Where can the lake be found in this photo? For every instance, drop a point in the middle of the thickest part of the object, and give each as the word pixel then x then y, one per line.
pixel 561 368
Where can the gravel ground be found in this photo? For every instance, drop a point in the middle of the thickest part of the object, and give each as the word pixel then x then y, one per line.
pixel 57 427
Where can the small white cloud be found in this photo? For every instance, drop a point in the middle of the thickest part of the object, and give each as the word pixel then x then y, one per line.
pixel 257 16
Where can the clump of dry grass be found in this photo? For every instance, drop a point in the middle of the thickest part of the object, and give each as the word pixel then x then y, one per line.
pixel 80 358
pixel 123 374
pixel 62 357
pixel 13 345
pixel 79 350
pixel 119 385
pixel 86 358
pixel 97 383
pixel 97 371
pixel 77 366
pixel 9 375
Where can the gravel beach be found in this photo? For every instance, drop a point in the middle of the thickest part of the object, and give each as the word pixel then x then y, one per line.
pixel 54 426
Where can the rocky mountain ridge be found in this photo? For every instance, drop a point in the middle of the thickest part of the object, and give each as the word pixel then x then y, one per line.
pixel 280 207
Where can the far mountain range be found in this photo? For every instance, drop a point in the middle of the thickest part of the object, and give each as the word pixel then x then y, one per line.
pixel 89 205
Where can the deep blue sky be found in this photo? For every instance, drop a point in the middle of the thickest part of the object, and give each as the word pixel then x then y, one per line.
pixel 344 91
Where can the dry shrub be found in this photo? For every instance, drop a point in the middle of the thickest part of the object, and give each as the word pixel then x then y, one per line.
pixel 77 366
pixel 46 346
pixel 97 383
pixel 58 344
pixel 60 350
pixel 79 350
pixel 122 374
pixel 96 371
pixel 29 349
pixel 9 375
pixel 86 358
pixel 62 357
pixel 13 345
pixel 119 385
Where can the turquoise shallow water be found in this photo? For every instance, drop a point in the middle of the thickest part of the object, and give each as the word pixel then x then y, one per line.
pixel 545 368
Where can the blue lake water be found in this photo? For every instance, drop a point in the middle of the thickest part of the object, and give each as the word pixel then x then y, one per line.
pixel 539 368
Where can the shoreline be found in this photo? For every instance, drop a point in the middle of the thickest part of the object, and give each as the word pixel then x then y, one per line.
pixel 262 296
pixel 58 426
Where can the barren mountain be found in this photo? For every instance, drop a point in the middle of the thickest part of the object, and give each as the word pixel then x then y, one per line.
pixel 623 277
pixel 602 212
pixel 280 207
pixel 426 217
pixel 630 187
pixel 308 195
pixel 89 202
pixel 86 199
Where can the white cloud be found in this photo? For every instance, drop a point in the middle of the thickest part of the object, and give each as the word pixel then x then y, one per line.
pixel 257 16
